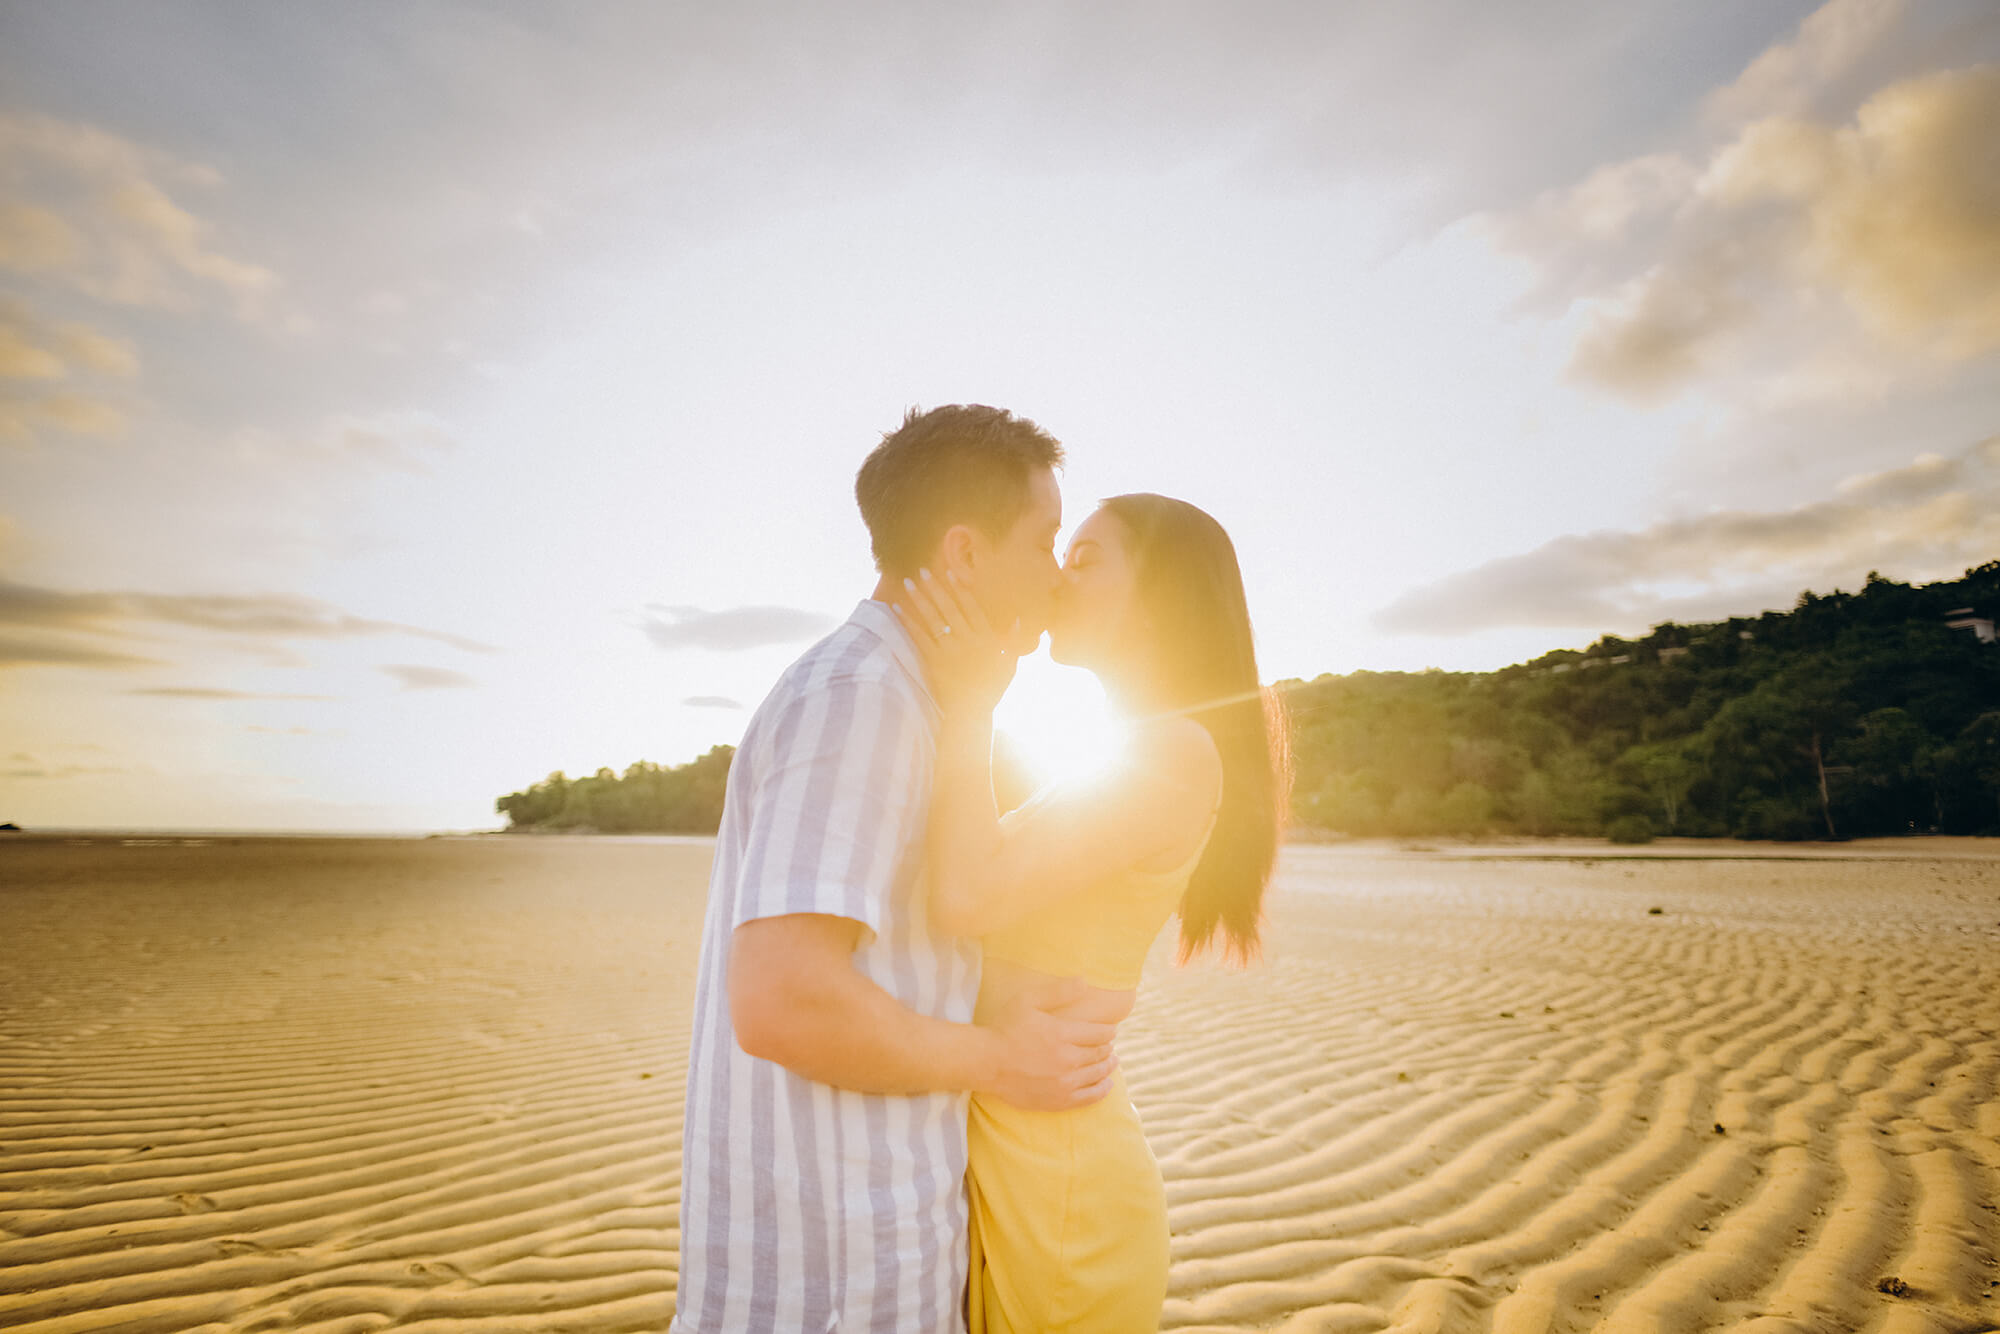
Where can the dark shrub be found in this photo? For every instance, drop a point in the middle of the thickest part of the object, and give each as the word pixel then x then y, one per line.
pixel 1630 829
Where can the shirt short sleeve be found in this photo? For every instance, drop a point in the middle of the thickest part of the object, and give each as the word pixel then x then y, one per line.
pixel 839 805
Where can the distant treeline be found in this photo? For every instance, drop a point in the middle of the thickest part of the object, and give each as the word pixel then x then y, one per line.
pixel 1853 714
pixel 645 799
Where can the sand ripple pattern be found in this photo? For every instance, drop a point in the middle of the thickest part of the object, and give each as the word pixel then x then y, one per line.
pixel 343 1085
pixel 351 1085
pixel 1507 1095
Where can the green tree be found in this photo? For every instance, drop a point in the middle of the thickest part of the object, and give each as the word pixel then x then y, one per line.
pixel 1667 773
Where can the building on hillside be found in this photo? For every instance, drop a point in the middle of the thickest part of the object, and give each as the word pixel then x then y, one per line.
pixel 1968 618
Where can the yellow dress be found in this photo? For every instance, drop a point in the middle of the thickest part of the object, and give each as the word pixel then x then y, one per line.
pixel 1068 1213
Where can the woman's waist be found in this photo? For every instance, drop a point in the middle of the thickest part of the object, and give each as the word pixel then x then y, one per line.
pixel 1002 978
pixel 993 1121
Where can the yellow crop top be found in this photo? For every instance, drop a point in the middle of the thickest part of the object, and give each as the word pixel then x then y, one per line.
pixel 1101 934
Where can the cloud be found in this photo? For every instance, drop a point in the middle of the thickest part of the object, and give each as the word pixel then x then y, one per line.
pixel 711 702
pixel 1796 244
pixel 34 769
pixel 38 362
pixel 418 677
pixel 33 239
pixel 34 651
pixel 1894 218
pixel 89 209
pixel 210 692
pixel 1926 520
pixel 1785 78
pixel 278 615
pixel 732 629
pixel 47 621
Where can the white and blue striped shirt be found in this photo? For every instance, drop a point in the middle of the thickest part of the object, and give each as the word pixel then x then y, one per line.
pixel 804 1206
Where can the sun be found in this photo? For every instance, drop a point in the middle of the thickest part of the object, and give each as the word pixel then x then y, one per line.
pixel 1058 722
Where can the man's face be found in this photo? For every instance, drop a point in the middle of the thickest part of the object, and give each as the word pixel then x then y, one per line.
pixel 1019 574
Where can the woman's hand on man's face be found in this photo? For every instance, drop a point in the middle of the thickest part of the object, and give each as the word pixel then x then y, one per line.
pixel 971 664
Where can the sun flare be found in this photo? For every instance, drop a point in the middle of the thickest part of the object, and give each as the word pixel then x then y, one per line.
pixel 1057 721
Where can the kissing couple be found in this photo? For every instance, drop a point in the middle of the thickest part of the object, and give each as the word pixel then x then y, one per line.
pixel 904 1112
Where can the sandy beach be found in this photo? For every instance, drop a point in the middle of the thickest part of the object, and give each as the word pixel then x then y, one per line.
pixel 435 1084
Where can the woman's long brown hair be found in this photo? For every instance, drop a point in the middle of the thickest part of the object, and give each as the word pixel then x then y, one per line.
pixel 1190 585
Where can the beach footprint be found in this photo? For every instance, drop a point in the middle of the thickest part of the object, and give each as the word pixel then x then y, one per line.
pixel 438 1272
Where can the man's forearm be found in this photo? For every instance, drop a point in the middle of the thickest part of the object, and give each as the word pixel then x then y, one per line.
pixel 840 1028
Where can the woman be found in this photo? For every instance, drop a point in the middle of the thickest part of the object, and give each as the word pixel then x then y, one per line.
pixel 1069 1219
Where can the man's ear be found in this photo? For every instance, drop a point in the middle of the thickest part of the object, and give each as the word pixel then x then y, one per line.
pixel 957 551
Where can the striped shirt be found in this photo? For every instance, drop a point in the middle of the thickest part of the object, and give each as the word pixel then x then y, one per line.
pixel 804 1206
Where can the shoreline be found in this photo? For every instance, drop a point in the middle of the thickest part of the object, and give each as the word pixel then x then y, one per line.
pixel 1556 848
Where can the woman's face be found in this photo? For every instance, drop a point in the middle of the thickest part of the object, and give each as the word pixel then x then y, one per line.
pixel 1096 605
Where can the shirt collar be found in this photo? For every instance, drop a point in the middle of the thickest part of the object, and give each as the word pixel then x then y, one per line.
pixel 880 619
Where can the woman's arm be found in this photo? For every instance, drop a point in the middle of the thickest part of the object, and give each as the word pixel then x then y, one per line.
pixel 1152 804
pixel 1155 801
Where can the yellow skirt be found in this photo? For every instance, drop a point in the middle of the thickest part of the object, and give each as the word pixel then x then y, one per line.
pixel 1068 1220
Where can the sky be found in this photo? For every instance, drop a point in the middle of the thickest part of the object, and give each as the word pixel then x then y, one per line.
pixel 401 402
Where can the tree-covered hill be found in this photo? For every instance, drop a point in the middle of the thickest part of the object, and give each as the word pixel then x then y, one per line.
pixel 1852 714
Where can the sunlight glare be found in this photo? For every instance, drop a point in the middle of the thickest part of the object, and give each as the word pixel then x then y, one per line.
pixel 1057 719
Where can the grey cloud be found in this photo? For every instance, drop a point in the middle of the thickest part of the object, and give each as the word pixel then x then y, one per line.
pixel 1926 520
pixel 711 702
pixel 418 677
pixel 732 629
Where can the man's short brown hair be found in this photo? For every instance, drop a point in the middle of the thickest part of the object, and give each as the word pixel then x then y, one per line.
pixel 963 463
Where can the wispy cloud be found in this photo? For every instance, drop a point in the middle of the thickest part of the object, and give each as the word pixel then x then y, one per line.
pixel 47 615
pixel 732 629
pixel 36 650
pixel 91 210
pixel 415 676
pixel 42 367
pixel 25 766
pixel 1928 519
pixel 212 692
pixel 711 702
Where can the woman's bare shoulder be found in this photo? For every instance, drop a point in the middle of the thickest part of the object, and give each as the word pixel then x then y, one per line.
pixel 1179 751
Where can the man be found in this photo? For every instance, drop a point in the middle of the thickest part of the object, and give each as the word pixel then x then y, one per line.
pixel 833 1050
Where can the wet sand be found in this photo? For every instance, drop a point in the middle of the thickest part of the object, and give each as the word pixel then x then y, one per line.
pixel 360 1084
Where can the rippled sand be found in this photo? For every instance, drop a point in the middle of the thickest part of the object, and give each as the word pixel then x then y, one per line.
pixel 345 1085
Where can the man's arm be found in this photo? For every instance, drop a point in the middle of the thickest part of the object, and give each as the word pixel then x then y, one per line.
pixel 795 998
